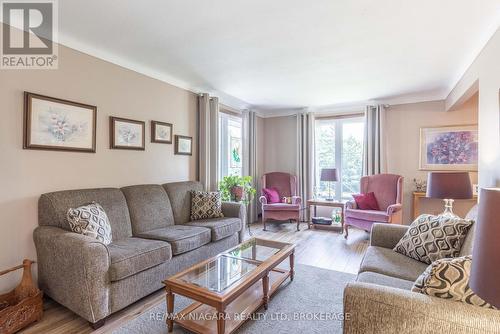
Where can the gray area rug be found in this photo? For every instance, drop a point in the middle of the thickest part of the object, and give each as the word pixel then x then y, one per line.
pixel 312 303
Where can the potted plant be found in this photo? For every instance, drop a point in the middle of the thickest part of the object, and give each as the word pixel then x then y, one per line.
pixel 237 188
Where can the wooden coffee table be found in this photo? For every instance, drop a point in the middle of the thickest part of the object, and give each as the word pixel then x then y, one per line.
pixel 229 287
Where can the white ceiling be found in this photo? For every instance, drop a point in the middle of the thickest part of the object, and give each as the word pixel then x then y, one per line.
pixel 288 53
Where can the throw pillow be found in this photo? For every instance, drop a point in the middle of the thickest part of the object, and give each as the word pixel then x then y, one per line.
pixel 90 220
pixel 272 195
pixel 366 201
pixel 449 279
pixel 430 238
pixel 205 205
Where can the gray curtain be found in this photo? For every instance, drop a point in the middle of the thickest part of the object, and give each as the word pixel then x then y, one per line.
pixel 208 142
pixel 305 158
pixel 374 161
pixel 250 157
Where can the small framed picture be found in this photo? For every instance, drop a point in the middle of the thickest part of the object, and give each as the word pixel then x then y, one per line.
pixel 127 134
pixel 183 145
pixel 161 132
pixel 56 124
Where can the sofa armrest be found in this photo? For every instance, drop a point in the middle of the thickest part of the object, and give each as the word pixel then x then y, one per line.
pixel 263 200
pixel 236 210
pixel 351 205
pixel 386 235
pixel 371 308
pixel 296 200
pixel 73 270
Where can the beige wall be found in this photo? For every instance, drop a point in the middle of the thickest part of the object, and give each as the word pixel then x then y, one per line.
pixel 403 141
pixel 280 147
pixel 25 174
pixel 486 70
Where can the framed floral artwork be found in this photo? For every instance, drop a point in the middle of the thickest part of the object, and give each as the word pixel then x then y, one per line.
pixel 183 145
pixel 56 124
pixel 161 132
pixel 449 148
pixel 127 134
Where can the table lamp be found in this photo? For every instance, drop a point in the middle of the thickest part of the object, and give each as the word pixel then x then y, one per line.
pixel 329 175
pixel 485 272
pixel 448 187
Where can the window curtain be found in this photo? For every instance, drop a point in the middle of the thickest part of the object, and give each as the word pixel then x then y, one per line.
pixel 305 157
pixel 250 157
pixel 374 158
pixel 208 141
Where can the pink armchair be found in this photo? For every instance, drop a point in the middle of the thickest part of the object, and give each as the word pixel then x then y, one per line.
pixel 286 184
pixel 388 189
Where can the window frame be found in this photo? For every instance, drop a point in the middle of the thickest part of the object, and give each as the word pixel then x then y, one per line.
pixel 339 121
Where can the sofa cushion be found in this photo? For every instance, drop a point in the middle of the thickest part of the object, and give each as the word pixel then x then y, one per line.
pixel 90 220
pixel 379 279
pixel 449 279
pixel 179 194
pixel 372 215
pixel 220 227
pixel 387 262
pixel 206 205
pixel 281 207
pixel 182 238
pixel 53 207
pixel 430 238
pixel 132 255
pixel 149 207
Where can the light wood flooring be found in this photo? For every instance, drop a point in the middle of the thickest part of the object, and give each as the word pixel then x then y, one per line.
pixel 319 248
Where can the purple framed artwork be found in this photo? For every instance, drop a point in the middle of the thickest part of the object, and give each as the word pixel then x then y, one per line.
pixel 449 148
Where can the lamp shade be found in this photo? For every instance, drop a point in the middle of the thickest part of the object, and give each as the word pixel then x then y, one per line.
pixel 449 185
pixel 329 174
pixel 485 273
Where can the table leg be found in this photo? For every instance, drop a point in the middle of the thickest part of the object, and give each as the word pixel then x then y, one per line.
pixel 221 320
pixel 265 288
pixel 292 266
pixel 170 310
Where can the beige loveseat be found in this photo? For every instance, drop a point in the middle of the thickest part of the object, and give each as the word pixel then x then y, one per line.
pixel 381 301
pixel 153 238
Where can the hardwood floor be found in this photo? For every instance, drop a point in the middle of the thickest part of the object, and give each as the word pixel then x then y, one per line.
pixel 319 248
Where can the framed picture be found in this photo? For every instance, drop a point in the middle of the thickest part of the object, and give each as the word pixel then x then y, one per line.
pixel 235 145
pixel 127 134
pixel 449 148
pixel 161 132
pixel 56 124
pixel 183 145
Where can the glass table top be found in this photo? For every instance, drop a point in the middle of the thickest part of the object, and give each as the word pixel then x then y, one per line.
pixel 257 249
pixel 219 274
pixel 229 267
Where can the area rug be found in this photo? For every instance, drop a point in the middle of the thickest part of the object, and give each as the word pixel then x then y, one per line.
pixel 312 303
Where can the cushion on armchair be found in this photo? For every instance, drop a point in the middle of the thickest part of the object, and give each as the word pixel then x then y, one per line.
pixel 272 195
pixel 366 201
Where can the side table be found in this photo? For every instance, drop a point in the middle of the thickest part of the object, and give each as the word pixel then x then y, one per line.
pixel 321 202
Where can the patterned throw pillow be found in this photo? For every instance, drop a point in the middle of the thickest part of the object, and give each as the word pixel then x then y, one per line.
pixel 90 220
pixel 430 238
pixel 449 279
pixel 205 205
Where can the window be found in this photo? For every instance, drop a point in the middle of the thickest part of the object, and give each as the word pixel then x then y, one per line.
pixel 339 144
pixel 230 145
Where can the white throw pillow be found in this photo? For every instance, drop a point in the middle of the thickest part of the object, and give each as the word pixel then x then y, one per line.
pixel 90 220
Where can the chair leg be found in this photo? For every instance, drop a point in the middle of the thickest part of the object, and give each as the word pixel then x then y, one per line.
pixel 98 324
pixel 298 225
pixel 263 223
pixel 346 231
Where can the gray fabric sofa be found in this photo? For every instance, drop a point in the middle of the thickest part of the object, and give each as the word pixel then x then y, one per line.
pixel 153 238
pixel 381 301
